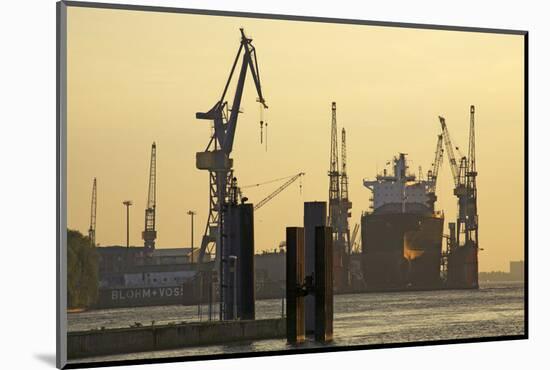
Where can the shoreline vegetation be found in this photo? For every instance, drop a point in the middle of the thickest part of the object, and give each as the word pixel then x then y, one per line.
pixel 82 272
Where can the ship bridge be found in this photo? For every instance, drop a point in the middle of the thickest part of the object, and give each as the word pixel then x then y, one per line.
pixel 401 190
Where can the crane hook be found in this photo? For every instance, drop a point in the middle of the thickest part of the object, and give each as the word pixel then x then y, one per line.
pixel 261 123
pixel 266 136
pixel 261 131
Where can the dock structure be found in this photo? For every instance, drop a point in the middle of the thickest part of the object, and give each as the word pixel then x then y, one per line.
pixel 309 275
pixel 90 343
pixel 315 214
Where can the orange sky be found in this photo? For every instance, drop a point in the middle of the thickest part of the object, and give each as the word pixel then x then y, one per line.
pixel 138 77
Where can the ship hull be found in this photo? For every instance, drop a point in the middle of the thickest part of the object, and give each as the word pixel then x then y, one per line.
pixel 401 251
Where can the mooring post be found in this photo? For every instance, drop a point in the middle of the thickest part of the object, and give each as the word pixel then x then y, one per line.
pixel 295 273
pixel 323 284
pixel 315 214
pixel 315 283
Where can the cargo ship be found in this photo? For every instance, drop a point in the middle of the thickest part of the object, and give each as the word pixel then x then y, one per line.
pixel 402 234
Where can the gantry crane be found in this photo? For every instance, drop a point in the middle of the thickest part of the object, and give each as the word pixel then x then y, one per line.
pixel 149 234
pixel 261 203
pixel 216 158
pixel 91 230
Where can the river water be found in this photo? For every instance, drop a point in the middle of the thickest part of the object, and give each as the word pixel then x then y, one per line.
pixel 495 309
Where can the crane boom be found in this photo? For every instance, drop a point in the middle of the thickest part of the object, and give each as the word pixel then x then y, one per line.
pixel 224 132
pixel 436 165
pixel 261 203
pixel 354 235
pixel 438 158
pixel 91 230
pixel 150 234
pixel 450 151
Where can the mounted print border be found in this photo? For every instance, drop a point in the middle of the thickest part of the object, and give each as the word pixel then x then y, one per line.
pixel 323 257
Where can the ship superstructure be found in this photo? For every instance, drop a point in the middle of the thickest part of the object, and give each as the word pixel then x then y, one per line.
pixel 400 191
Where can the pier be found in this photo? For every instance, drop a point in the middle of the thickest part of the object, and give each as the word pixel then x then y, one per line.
pixel 81 344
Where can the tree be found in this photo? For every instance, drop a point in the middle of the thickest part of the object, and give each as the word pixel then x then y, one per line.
pixel 82 270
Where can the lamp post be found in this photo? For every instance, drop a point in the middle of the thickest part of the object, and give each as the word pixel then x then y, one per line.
pixel 192 214
pixel 127 203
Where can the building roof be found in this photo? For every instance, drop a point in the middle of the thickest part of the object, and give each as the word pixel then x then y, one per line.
pixel 158 252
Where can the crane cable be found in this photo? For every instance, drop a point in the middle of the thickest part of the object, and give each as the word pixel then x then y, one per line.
pixel 267 182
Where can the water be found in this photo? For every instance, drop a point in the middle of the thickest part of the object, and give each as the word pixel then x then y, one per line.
pixel 495 309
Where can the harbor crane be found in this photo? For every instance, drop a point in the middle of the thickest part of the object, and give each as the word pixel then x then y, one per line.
pixel 339 206
pixel 91 230
pixel 216 158
pixel 465 233
pixel 149 234
pixel 345 204
pixel 471 174
pixel 334 176
pixel 345 213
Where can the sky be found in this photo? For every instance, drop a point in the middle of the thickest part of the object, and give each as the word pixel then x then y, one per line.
pixel 135 78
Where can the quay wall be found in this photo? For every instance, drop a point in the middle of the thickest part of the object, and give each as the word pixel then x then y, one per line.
pixel 91 343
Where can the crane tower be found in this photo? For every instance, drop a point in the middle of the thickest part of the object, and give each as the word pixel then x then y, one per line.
pixel 345 202
pixel 334 176
pixel 150 233
pixel 91 230
pixel 338 206
pixel 345 214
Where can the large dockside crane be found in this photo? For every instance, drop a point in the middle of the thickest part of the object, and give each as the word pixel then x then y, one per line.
pixel 91 230
pixel 149 234
pixel 345 202
pixel 345 213
pixel 334 178
pixel 216 158
pixel 471 225
pixel 338 207
pixel 463 253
